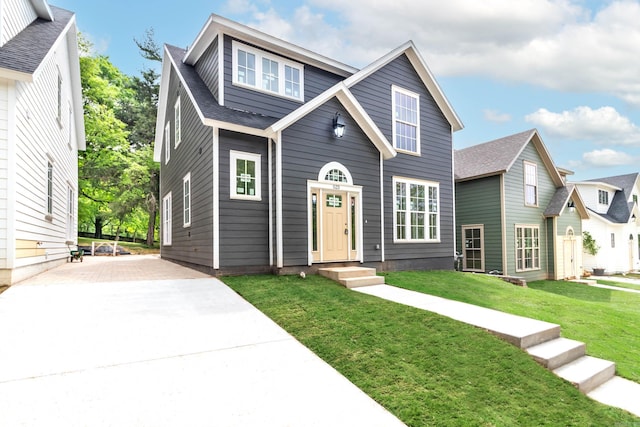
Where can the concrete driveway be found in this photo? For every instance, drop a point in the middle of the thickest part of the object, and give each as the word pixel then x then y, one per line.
pixel 137 341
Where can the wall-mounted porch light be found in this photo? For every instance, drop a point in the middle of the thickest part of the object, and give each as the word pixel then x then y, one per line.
pixel 338 126
pixel 571 206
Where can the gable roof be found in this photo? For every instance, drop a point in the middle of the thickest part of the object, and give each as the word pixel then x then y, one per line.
pixel 620 209
pixel 22 56
pixel 560 201
pixel 624 183
pixel 498 156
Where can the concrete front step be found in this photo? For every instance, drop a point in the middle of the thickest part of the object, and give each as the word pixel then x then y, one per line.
pixel 557 352
pixel 587 372
pixel 352 277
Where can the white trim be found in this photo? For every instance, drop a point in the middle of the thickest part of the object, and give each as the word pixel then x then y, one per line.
pixel 270 180
pixel 397 89
pixel 177 120
pixel 167 143
pixel 463 228
pixel 279 233
pixel 526 163
pixel 216 197
pixel 234 156
pixel 382 245
pixel 503 218
pixel 259 55
pixel 185 208
pixel 515 247
pixel 335 165
pixel 10 227
pixel 220 37
pixel 427 185
pixel 167 220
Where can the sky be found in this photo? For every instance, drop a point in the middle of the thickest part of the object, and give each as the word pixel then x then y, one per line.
pixel 569 68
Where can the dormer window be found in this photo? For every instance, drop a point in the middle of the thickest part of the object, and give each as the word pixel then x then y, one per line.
pixel 265 72
pixel 603 197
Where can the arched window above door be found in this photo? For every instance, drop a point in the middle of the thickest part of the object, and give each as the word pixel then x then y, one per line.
pixel 570 232
pixel 335 172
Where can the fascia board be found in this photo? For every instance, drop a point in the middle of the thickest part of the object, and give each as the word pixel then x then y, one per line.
pixel 76 84
pixel 597 184
pixel 42 9
pixel 162 104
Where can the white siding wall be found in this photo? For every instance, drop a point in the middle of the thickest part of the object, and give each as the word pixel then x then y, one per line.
pixel 40 139
pixel 4 143
pixel 15 16
pixel 615 259
pixel 589 194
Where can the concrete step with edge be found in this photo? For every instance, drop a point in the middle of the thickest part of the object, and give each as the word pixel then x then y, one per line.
pixel 357 282
pixel 557 352
pixel 339 273
pixel 587 372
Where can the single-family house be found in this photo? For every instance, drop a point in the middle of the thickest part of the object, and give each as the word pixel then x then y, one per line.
pixel 276 158
pixel 515 214
pixel 41 131
pixel 613 205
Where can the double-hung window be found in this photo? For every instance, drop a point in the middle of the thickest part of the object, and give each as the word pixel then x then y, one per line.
pixel 166 220
pixel 416 211
pixel 530 184
pixel 177 123
pixel 59 110
pixel 266 72
pixel 527 247
pixel 49 188
pixel 406 120
pixel 603 197
pixel 186 200
pixel 245 176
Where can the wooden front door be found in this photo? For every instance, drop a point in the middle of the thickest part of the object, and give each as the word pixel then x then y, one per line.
pixel 335 226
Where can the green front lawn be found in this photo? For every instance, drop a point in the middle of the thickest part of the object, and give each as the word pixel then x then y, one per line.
pixel 606 320
pixel 620 284
pixel 424 368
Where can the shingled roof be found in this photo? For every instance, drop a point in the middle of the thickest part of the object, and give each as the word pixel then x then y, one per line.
pixel 620 209
pixel 21 56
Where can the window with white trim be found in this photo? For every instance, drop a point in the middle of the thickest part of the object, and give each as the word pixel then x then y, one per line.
pixel 530 184
pixel 49 188
pixel 406 120
pixel 186 200
pixel 166 220
pixel 416 210
pixel 263 71
pixel 177 123
pixel 167 143
pixel 245 179
pixel 71 211
pixel 603 197
pixel 527 247
pixel 59 116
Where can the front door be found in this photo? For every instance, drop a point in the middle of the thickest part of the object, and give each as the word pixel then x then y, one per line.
pixel 569 258
pixel 335 226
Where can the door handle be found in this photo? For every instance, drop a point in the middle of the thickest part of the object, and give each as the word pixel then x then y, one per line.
pixel 346 231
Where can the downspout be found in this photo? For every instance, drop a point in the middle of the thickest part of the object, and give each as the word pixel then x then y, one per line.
pixel 382 257
pixel 216 198
pixel 279 233
pixel 270 172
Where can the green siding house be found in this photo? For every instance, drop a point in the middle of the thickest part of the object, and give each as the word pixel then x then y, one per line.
pixel 515 214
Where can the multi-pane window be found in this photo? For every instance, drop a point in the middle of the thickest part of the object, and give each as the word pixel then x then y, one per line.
pixel 50 188
pixel 635 198
pixel 336 175
pixel 246 67
pixel 406 120
pixel 530 184
pixel 186 200
pixel 59 98
pixel 416 211
pixel 527 247
pixel 245 175
pixel 613 240
pixel 603 197
pixel 177 122
pixel 266 72
pixel 71 210
pixel 167 143
pixel 166 220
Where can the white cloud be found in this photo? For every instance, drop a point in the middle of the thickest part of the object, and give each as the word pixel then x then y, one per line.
pixel 607 158
pixel 558 44
pixel 496 116
pixel 603 125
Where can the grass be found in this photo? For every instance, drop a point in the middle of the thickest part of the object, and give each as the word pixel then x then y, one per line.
pixel 606 320
pixel 134 248
pixel 424 368
pixel 619 284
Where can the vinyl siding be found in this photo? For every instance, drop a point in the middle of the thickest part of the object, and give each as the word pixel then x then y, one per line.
pixel 315 82
pixel 207 68
pixel 434 164
pixel 478 202
pixel 42 138
pixel 307 146
pixel 193 155
pixel 15 16
pixel 518 213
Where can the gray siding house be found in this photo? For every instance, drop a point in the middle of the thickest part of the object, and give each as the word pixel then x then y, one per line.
pixel 515 214
pixel 277 159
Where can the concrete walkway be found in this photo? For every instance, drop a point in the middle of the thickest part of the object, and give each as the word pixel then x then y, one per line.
pixel 616 279
pixel 86 344
pixel 520 331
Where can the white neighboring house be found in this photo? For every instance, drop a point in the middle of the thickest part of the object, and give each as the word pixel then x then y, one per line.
pixel 41 131
pixel 614 222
